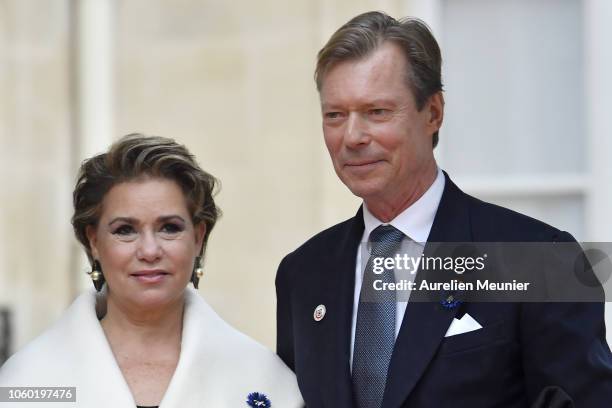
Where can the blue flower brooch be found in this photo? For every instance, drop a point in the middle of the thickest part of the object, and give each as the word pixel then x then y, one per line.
pixel 450 302
pixel 258 400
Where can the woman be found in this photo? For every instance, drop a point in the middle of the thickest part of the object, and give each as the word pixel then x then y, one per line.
pixel 143 212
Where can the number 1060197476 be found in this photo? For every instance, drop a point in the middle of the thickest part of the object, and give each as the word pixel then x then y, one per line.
pixel 38 394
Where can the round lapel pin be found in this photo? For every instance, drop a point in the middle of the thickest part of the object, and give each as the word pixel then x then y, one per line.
pixel 319 313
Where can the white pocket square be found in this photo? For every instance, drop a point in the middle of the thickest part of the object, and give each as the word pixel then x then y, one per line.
pixel 463 325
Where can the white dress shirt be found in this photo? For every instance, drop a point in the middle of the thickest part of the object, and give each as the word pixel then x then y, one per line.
pixel 415 222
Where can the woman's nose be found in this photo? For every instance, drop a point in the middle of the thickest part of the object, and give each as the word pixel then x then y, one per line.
pixel 149 248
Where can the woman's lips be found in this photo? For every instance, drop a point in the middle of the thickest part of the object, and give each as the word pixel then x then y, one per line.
pixel 150 276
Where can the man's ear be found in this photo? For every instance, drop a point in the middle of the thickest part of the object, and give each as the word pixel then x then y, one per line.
pixel 435 108
pixel 90 232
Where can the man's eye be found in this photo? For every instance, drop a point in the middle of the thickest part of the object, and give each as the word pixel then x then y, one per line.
pixel 171 228
pixel 124 230
pixel 378 112
pixel 332 115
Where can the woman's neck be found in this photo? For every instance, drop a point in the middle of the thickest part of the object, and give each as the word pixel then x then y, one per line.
pixel 146 343
pixel 129 327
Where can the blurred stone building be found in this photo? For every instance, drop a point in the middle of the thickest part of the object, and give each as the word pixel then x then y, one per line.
pixel 525 126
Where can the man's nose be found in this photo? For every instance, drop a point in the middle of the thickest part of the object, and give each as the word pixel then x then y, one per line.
pixel 356 133
pixel 149 248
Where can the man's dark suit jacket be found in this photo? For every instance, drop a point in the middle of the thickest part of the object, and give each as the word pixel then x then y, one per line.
pixel 521 349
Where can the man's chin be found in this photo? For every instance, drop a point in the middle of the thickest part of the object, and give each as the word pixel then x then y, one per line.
pixel 364 189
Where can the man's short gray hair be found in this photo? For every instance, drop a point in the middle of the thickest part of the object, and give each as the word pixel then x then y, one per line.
pixel 365 33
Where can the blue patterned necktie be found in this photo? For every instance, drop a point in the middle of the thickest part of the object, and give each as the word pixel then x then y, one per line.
pixel 375 329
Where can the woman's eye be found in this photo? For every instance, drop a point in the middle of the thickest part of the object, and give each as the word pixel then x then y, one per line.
pixel 171 228
pixel 124 230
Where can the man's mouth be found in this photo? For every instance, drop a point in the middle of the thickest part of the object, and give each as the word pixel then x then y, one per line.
pixel 362 164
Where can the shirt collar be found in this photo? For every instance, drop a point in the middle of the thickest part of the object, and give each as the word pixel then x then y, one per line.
pixel 415 221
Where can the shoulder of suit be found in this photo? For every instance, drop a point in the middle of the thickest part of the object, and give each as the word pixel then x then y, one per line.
pixel 328 236
pixel 492 222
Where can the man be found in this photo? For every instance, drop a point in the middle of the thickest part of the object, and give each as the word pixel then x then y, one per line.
pixel 382 105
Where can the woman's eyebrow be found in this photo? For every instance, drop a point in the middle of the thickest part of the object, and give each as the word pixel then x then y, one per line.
pixel 128 220
pixel 170 217
pixel 131 220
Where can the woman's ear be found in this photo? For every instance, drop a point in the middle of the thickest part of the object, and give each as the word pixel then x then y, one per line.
pixel 90 232
pixel 200 232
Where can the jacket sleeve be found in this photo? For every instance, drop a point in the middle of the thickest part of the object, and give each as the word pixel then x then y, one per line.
pixel 564 345
pixel 284 320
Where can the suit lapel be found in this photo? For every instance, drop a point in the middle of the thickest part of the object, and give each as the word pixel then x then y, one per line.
pixel 425 323
pixel 337 385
